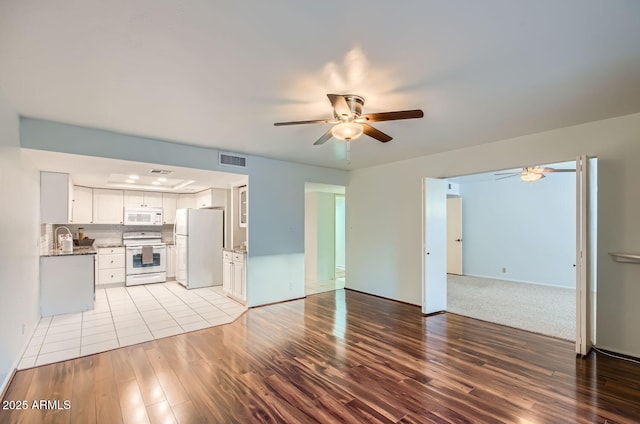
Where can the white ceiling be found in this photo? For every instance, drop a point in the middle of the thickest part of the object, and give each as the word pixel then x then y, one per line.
pixel 220 73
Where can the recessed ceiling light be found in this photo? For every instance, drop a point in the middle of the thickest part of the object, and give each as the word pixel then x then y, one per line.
pixel 129 181
pixel 155 182
pixel 133 177
pixel 162 179
pixel 183 184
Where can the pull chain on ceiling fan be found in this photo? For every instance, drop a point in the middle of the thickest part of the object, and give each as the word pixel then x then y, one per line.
pixel 349 121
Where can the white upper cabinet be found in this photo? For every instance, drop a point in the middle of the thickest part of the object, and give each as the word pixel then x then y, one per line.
pixel 243 207
pixel 186 201
pixel 203 199
pixel 152 199
pixel 108 206
pixel 82 205
pixel 56 198
pixel 133 199
pixel 211 198
pixel 169 206
pixel 142 199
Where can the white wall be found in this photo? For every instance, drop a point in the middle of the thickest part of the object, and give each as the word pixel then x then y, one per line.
pixel 384 238
pixel 310 236
pixel 320 236
pixel 276 196
pixel 19 252
pixel 527 228
pixel 340 231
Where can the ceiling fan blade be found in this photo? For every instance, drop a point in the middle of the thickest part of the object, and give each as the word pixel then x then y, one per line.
pixel 508 176
pixel 507 173
pixel 340 105
pixel 326 136
pixel 316 121
pixel 375 133
pixel 558 170
pixel 392 116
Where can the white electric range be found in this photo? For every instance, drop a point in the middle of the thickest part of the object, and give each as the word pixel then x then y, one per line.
pixel 145 257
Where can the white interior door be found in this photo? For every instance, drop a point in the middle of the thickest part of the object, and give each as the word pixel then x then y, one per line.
pixel 454 235
pixel 434 273
pixel 586 251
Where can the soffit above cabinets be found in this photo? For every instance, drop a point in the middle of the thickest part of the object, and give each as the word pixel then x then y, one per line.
pixel 116 174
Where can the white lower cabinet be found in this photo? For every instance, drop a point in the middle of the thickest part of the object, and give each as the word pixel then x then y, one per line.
pixel 111 266
pixel 227 272
pixel 66 284
pixel 234 275
pixel 171 262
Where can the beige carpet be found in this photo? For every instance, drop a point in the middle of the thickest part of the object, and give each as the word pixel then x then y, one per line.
pixel 541 309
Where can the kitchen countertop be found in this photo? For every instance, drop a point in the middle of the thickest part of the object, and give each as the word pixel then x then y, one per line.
pixel 88 250
pixel 236 250
pixel 109 245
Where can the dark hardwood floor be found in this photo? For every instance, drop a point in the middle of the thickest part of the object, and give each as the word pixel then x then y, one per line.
pixel 336 357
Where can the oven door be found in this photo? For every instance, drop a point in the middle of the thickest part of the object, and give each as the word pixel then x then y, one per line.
pixel 134 263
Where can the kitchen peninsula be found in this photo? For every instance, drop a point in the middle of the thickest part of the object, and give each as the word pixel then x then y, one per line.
pixel 67 281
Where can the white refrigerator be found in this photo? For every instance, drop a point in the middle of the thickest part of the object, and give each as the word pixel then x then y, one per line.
pixel 198 237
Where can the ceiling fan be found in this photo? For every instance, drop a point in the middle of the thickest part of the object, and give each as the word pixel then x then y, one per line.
pixel 351 123
pixel 532 173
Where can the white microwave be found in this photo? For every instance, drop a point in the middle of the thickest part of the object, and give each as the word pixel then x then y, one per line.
pixel 143 216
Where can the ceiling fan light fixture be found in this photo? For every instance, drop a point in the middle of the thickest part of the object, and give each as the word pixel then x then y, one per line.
pixel 347 131
pixel 531 177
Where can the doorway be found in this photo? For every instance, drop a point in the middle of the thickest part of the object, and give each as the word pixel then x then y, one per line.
pixel 325 259
pixel 454 234
pixel 543 256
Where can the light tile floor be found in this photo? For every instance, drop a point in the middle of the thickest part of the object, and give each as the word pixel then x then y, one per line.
pixel 124 316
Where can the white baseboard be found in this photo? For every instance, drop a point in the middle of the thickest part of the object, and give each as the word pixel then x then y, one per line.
pixel 617 350
pixel 6 381
pixel 491 277
pixel 16 362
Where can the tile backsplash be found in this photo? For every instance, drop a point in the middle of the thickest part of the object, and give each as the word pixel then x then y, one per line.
pixel 46 238
pixel 102 233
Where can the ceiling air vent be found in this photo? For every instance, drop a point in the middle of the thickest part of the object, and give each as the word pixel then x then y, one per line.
pixel 160 172
pixel 228 159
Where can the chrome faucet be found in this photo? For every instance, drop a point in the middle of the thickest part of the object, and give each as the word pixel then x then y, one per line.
pixel 55 235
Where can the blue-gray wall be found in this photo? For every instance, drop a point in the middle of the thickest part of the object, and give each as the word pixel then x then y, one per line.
pixel 276 196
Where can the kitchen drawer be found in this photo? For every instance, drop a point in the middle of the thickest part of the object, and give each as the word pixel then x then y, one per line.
pixel 111 261
pixel 227 255
pixel 238 257
pixel 110 250
pixel 107 276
